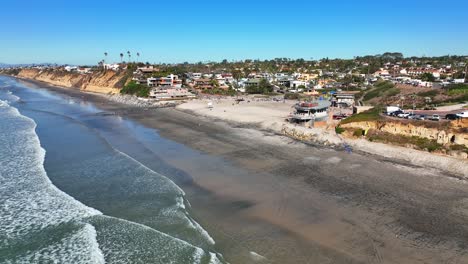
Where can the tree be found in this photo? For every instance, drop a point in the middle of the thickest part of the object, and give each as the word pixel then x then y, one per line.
pixel 466 73
pixel 138 56
pixel 263 87
pixel 105 55
pixel 121 57
pixel 427 77
pixel 237 74
pixel 129 56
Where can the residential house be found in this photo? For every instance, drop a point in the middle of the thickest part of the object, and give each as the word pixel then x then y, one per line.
pixel 147 70
pixel 253 82
pixel 171 80
pixel 344 99
pixel 113 66
pixel 204 84
pixel 170 93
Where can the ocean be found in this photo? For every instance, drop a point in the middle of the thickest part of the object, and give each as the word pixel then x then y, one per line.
pixel 68 195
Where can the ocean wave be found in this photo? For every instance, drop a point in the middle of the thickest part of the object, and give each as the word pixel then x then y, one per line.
pixel 36 218
pixel 39 222
pixel 147 244
pixel 176 211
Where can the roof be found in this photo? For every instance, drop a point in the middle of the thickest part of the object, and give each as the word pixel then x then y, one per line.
pixel 321 104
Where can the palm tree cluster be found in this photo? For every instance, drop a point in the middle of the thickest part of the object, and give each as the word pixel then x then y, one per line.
pixel 129 54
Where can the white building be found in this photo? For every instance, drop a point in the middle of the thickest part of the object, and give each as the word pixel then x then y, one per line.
pixel 71 68
pixel 114 66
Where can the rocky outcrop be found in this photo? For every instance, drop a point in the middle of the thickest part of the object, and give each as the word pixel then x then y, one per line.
pixel 454 133
pixel 317 135
pixel 108 82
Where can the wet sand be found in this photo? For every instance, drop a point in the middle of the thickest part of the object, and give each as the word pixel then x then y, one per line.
pixel 294 203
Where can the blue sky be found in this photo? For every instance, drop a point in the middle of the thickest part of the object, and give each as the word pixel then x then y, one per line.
pixel 79 32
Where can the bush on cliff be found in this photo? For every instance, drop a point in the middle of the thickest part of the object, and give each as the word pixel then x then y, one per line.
pixel 369 115
pixel 137 89
pixel 383 88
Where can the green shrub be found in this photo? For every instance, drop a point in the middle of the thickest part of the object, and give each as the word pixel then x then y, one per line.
pixel 136 89
pixel 418 142
pixel 369 115
pixel 457 89
pixel 358 132
pixel 381 88
pixel 458 147
pixel 430 93
pixel 339 130
pixel 264 87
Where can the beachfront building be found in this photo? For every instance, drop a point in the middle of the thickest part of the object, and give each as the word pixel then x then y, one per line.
pixel 343 99
pixel 203 84
pixel 164 93
pixel 310 111
pixel 171 80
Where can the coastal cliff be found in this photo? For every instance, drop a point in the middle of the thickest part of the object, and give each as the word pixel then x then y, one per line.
pixel 105 82
pixel 452 137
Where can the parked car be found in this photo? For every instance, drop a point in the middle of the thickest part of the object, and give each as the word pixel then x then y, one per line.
pixel 463 114
pixel 451 117
pixel 396 113
pixel 403 115
pixel 421 117
pixel 411 116
pixel 434 117
pixel 392 109
pixel 340 116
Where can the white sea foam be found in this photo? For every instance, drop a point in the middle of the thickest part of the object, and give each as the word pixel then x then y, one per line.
pixel 9 97
pixel 146 243
pixel 178 210
pixel 80 247
pixel 257 257
pixel 30 203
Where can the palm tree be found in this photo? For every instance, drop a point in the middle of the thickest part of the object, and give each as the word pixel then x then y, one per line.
pixel 466 73
pixel 105 55
pixel 138 56
pixel 121 57
pixel 129 56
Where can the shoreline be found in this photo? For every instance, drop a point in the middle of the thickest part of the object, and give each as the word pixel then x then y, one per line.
pixel 403 155
pixel 318 137
pixel 297 195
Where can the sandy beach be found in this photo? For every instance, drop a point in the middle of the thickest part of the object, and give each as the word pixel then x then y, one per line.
pixel 268 198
